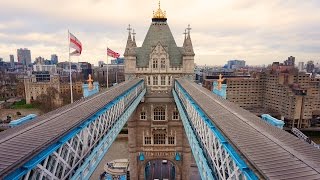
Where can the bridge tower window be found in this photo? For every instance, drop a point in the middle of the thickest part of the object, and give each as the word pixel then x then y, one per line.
pixel 163 80
pixel 155 63
pixel 155 80
pixel 143 115
pixel 159 138
pixel 175 115
pixel 147 140
pixel 163 63
pixel 149 80
pixel 171 140
pixel 159 114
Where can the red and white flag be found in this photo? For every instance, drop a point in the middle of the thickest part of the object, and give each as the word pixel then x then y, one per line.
pixel 112 53
pixel 76 45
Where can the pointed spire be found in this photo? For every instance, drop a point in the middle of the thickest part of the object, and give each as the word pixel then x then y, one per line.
pixel 129 42
pixel 187 44
pixel 185 37
pixel 134 38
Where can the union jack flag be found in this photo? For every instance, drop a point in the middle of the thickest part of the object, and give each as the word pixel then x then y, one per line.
pixel 112 53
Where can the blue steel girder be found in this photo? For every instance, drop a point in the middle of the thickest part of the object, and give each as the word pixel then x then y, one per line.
pixel 215 152
pixel 76 154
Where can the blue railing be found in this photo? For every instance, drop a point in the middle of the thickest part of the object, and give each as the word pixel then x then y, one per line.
pixel 23 120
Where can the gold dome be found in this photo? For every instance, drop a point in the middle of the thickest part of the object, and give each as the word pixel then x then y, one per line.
pixel 159 14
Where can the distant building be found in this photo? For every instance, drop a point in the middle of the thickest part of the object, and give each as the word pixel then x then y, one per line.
pixel 290 61
pixel 116 74
pixel 24 56
pixel 12 60
pixel 301 66
pixel 236 64
pixel 54 59
pixel 292 96
pixel 100 63
pixel 38 83
pixel 310 67
pixel 117 61
pixel 39 60
pixel 52 69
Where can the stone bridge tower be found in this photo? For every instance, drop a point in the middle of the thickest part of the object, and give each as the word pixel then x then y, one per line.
pixel 155 130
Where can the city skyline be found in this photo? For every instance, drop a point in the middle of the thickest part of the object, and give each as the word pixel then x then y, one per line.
pixel 258 32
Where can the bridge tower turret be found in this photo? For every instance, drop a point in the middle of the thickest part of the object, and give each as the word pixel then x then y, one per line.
pixel 130 55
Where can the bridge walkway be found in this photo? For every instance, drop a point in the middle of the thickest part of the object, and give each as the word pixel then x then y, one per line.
pixel 271 152
pixel 19 145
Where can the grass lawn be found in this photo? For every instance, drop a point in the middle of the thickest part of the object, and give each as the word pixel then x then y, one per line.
pixel 22 105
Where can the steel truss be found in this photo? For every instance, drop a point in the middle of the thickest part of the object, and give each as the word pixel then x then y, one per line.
pixel 78 154
pixel 215 157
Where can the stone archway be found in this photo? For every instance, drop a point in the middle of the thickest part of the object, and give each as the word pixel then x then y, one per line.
pixel 160 169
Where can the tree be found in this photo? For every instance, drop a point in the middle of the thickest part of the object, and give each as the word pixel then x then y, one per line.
pixel 47 102
pixel 66 98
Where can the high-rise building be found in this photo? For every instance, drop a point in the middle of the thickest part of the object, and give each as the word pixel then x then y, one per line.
pixel 24 56
pixel 301 66
pixel 236 64
pixel 12 60
pixel 310 67
pixel 290 61
pixel 54 59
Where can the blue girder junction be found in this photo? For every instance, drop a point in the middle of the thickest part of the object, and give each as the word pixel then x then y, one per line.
pixel 76 152
pixel 214 156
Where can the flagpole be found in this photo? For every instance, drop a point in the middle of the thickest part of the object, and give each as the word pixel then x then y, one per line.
pixel 107 70
pixel 70 74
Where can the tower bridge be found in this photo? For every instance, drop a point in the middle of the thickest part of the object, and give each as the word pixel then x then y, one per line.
pixel 170 119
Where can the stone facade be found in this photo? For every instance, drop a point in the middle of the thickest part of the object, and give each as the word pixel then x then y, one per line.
pixel 155 130
pixel 35 87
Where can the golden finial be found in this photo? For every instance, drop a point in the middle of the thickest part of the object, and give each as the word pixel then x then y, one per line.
pixel 90 81
pixel 220 80
pixel 159 14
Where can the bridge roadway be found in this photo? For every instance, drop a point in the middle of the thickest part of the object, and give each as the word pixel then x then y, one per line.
pixel 19 145
pixel 271 152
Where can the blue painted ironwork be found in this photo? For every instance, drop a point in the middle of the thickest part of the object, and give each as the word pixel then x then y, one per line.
pixel 202 163
pixel 129 101
pixel 214 145
pixel 106 142
pixel 273 121
pixel 177 157
pixel 141 156
pixel 89 92
pixel 22 120
pixel 222 92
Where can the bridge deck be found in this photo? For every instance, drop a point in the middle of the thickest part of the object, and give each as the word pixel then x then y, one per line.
pixel 273 152
pixel 20 144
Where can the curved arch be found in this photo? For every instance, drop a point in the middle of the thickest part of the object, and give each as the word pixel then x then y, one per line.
pixel 176 166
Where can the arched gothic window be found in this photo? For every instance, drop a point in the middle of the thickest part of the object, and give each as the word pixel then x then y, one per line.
pixel 159 114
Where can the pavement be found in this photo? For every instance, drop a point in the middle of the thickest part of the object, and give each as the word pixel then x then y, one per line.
pixel 118 150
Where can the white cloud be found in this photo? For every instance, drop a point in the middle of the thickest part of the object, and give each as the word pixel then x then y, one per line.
pixel 257 31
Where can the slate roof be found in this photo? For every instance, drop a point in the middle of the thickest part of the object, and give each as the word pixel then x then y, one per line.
pixel 159 32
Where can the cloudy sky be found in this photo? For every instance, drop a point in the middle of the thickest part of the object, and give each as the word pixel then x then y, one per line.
pixel 259 31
